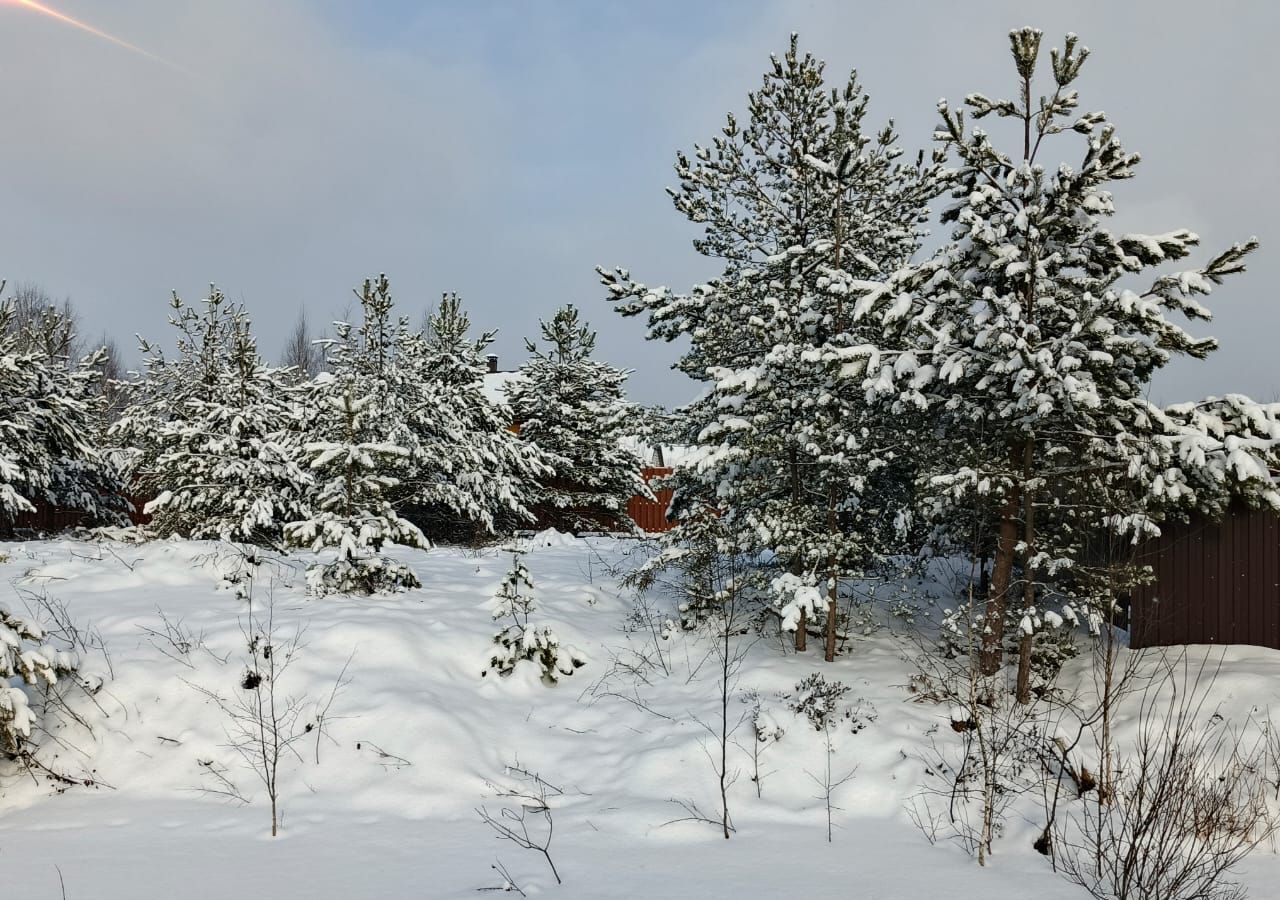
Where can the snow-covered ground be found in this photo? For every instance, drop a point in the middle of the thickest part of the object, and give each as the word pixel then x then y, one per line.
pixel 382 802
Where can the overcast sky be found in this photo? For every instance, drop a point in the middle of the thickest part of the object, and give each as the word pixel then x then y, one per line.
pixel 504 149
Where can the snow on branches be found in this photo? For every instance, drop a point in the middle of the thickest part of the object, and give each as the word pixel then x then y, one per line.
pixel 1031 348
pixel 802 207
pixel 213 432
pixel 23 657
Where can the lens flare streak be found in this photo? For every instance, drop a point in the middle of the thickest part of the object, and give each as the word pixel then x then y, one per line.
pixel 86 27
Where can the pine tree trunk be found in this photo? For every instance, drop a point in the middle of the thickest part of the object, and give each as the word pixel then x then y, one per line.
pixel 984 576
pixel 1001 578
pixel 1026 641
pixel 796 567
pixel 833 594
pixel 832 521
pixel 832 609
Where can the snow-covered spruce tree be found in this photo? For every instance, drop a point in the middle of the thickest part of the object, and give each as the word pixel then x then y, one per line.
pixel 49 410
pixel 573 408
pixel 25 659
pixel 487 472
pixel 352 513
pixel 214 432
pixel 800 206
pixel 1030 353
pixel 521 639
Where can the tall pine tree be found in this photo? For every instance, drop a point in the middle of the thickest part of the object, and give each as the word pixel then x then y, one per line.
pixel 490 473
pixel 1031 352
pixel 800 206
pixel 353 515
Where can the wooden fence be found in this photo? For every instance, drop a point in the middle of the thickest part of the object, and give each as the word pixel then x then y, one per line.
pixel 1215 583
pixel 651 515
pixel 49 519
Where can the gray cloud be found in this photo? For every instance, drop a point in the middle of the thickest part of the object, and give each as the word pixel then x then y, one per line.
pixel 504 150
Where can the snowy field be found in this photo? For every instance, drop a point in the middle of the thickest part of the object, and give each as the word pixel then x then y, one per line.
pixel 381 800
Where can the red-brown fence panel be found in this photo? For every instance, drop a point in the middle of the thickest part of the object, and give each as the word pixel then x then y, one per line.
pixel 47 519
pixel 1215 583
pixel 651 515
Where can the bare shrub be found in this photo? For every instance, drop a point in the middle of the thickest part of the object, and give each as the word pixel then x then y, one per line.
pixel 970 785
pixel 174 639
pixel 1188 804
pixel 264 724
pixel 828 781
pixel 525 818
pixel 727 583
pixel 719 597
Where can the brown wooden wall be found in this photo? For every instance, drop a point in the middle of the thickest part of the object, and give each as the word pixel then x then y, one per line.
pixel 53 519
pixel 47 519
pixel 1215 583
pixel 651 515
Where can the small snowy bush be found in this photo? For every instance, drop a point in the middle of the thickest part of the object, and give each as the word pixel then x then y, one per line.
pixel 904 610
pixel 817 698
pixel 521 639
pixel 822 703
pixel 1055 642
pixel 766 728
pixel 25 658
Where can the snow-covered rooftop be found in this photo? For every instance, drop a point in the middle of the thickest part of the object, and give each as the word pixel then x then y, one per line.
pixel 495 384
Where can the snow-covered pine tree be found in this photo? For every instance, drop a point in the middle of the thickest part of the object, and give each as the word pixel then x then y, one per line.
pixel 213 432
pixel 110 368
pixel 464 471
pixel 52 327
pixel 487 472
pixel 800 206
pixel 521 639
pixel 352 510
pixel 375 358
pixel 573 408
pixel 1215 451
pixel 1023 341
pixel 24 658
pixel 49 410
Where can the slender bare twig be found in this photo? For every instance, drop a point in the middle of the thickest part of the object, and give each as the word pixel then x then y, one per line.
pixel 514 823
pixel 385 759
pixel 508 883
